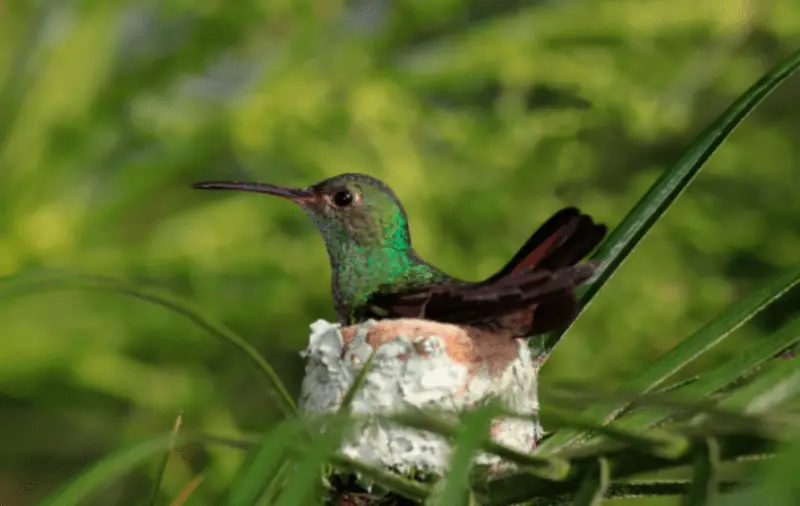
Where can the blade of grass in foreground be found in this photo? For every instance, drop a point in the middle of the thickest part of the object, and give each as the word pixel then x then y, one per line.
pixel 722 376
pixel 706 463
pixel 255 476
pixel 547 467
pixel 779 383
pixel 41 280
pixel 398 484
pixel 108 469
pixel 775 483
pixel 657 442
pixel 595 484
pixel 624 238
pixel 187 491
pixel 709 335
pixel 162 466
pixel 306 480
pixel 472 432
pixel 521 488
pixel 350 395
pixel 77 491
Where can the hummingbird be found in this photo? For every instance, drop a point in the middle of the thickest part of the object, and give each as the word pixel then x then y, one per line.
pixel 377 274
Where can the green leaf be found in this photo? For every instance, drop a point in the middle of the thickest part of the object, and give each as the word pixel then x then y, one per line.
pixel 775 483
pixel 41 280
pixel 306 479
pixel 708 410
pixel 254 477
pixel 391 481
pixel 594 484
pixel 657 442
pixel 777 384
pixel 702 340
pixel 116 465
pixel 624 238
pixel 624 462
pixel 678 384
pixel 278 479
pixel 706 464
pixel 721 376
pixel 112 467
pixel 655 488
pixel 162 466
pixel 550 468
pixel 347 401
pixel 472 432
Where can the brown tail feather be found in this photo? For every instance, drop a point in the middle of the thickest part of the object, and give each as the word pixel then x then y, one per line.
pixel 552 234
pixel 560 242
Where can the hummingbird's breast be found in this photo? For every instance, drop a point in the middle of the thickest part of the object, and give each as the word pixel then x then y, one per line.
pixel 358 277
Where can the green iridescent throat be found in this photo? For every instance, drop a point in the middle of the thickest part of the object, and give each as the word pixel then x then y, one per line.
pixel 372 254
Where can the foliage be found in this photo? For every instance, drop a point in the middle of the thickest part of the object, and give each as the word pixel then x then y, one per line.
pixel 479 114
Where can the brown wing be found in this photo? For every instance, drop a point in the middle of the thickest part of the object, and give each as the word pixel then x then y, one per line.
pixel 562 241
pixel 469 303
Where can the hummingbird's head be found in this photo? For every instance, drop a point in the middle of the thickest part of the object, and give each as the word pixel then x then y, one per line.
pixel 349 209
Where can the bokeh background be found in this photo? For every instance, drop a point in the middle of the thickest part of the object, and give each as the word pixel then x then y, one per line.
pixel 485 116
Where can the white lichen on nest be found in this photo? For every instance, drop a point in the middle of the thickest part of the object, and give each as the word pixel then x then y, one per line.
pixel 417 364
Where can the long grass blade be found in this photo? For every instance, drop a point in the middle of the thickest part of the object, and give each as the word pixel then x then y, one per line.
pixel 162 466
pixel 710 407
pixel 624 238
pixel 721 376
pixel 400 485
pixel 632 490
pixel 255 476
pixel 705 483
pixel 678 384
pixel 187 491
pixel 778 384
pixel 306 481
pixel 350 395
pixel 276 483
pixel 549 468
pixel 594 484
pixel 661 443
pixel 112 467
pixel 472 432
pixel 699 342
pixel 39 281
pixel 624 462
pixel 775 483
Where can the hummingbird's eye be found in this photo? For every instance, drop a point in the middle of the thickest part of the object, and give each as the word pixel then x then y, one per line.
pixel 343 198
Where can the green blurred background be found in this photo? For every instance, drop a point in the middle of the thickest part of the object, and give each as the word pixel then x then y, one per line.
pixel 485 116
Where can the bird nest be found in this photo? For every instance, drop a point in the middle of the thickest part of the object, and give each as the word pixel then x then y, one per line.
pixel 419 364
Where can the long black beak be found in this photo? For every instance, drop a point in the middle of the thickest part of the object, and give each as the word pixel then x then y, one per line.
pixel 298 195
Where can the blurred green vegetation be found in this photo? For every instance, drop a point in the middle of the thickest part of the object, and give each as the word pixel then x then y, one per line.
pixel 484 116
